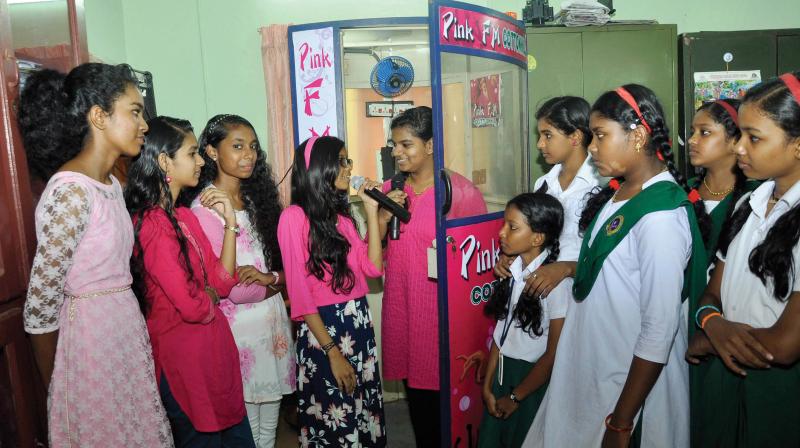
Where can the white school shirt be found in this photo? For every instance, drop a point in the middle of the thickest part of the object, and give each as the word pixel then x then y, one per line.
pixel 634 308
pixel 573 199
pixel 710 205
pixel 520 344
pixel 744 298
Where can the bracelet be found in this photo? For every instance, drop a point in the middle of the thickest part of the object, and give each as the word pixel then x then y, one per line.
pixel 700 310
pixel 614 428
pixel 328 347
pixel 277 277
pixel 513 397
pixel 708 316
pixel 233 228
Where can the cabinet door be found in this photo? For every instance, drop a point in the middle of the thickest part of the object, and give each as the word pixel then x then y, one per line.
pixel 558 71
pixel 789 53
pixel 646 57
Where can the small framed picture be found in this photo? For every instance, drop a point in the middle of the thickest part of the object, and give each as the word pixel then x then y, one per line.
pixel 389 109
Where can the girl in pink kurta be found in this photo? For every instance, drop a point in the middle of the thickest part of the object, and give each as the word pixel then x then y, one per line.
pixel 102 389
pixel 196 359
pixel 410 324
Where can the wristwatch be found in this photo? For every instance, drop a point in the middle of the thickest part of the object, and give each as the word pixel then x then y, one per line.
pixel 513 397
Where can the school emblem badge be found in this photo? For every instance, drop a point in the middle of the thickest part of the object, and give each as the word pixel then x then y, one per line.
pixel 615 224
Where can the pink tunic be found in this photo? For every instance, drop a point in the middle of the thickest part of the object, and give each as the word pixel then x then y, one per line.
pixel 306 292
pixel 103 391
pixel 410 316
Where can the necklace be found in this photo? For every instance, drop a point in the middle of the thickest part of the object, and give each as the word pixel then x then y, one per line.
pixel 714 193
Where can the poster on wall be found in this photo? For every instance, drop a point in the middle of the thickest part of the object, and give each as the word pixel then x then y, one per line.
pixel 485 105
pixel 314 77
pixel 470 282
pixel 710 86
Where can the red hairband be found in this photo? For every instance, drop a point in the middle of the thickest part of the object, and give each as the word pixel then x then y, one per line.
pixel 309 146
pixel 792 84
pixel 731 111
pixel 628 98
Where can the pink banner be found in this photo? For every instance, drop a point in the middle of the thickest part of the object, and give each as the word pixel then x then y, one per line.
pixel 469 283
pixel 478 31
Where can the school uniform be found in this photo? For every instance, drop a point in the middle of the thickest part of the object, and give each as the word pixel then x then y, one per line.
pixel 573 199
pixel 628 303
pixel 519 352
pixel 763 408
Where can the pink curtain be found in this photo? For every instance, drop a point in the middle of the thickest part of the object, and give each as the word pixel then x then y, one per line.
pixel 275 57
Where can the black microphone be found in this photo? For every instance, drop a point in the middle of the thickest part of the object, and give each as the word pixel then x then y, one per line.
pixel 398 181
pixel 357 181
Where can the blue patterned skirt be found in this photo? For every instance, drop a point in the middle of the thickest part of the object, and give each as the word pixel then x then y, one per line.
pixel 326 415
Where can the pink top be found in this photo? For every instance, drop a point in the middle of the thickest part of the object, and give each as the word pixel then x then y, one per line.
pixel 410 323
pixel 192 342
pixel 306 292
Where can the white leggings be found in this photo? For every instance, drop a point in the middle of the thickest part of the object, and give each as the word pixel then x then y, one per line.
pixel 263 419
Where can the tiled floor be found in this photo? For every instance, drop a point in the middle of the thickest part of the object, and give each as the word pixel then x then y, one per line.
pixel 397 421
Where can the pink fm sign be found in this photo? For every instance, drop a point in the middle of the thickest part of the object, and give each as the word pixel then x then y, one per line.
pixel 478 31
pixel 470 281
pixel 315 83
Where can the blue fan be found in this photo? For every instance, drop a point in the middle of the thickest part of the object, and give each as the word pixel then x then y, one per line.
pixel 392 76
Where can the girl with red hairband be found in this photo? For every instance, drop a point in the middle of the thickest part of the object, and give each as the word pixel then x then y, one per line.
pixel 749 394
pixel 326 262
pixel 720 182
pixel 619 377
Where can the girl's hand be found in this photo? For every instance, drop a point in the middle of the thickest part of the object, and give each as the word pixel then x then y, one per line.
pixel 249 275
pixel 699 348
pixel 735 345
pixel 370 204
pixel 398 196
pixel 502 268
pixel 613 439
pixel 505 407
pixel 219 201
pixel 544 279
pixel 491 403
pixel 342 371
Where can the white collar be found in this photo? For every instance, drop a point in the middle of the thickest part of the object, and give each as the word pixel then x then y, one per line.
pixel 586 173
pixel 761 196
pixel 521 274
pixel 662 176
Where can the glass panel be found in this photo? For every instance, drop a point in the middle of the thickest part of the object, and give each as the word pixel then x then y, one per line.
pixel 8 421
pixel 485 125
pixel 40 35
pixel 369 111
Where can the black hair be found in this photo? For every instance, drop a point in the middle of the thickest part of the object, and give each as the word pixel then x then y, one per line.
pixel 314 190
pixel 543 214
pixel 53 107
pixel 772 259
pixel 611 106
pixel 259 191
pixel 568 114
pixel 720 115
pixel 147 191
pixel 419 120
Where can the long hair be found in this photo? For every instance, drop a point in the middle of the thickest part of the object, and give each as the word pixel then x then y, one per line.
pixel 259 192
pixel 611 106
pixel 544 214
pixel 724 118
pixel 53 107
pixel 147 191
pixel 314 191
pixel 772 259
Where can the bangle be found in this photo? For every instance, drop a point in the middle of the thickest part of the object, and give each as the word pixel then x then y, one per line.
pixel 234 228
pixel 277 277
pixel 614 428
pixel 708 316
pixel 328 347
pixel 513 397
pixel 700 310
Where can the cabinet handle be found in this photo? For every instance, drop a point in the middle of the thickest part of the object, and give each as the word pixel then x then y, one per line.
pixel 8 57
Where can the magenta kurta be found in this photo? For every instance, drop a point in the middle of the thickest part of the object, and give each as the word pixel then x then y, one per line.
pixel 410 316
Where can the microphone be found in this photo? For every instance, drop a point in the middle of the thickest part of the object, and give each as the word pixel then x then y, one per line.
pixel 398 180
pixel 357 181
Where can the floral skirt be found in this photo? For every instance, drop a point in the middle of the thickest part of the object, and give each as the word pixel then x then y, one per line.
pixel 326 415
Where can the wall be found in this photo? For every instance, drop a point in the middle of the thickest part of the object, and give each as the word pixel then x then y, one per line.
pixel 205 54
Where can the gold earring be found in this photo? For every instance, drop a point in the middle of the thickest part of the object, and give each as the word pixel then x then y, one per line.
pixel 638 147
